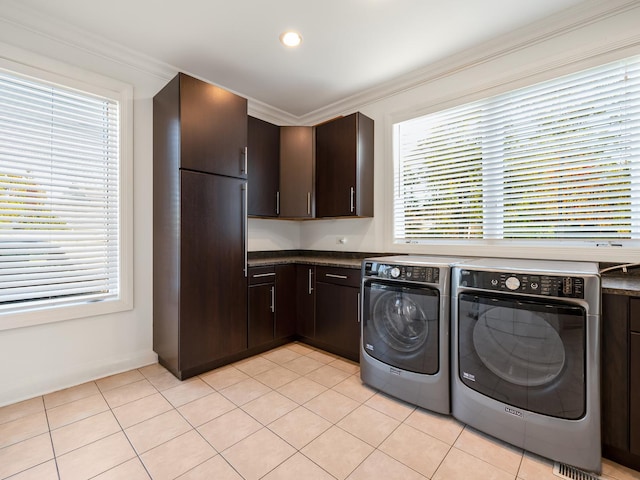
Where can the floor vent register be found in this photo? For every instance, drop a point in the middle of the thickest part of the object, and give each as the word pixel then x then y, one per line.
pixel 572 473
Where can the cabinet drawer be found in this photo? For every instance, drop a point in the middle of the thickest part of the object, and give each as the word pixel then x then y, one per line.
pixel 634 315
pixel 258 275
pixel 338 276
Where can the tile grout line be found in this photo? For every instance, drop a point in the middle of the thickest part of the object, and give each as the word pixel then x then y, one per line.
pixel 522 451
pixel 332 424
pixel 123 430
pixel 240 408
pixel 299 405
pixel 194 428
pixel 53 448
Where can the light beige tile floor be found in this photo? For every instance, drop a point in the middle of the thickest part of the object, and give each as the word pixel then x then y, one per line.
pixel 290 413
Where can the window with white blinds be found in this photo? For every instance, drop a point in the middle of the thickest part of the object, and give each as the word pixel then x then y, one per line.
pixel 557 160
pixel 59 195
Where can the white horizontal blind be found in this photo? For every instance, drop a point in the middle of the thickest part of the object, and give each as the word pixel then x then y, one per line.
pixel 59 182
pixel 557 160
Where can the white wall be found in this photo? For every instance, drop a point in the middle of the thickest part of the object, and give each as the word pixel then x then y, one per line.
pixel 267 235
pixel 52 356
pixel 463 79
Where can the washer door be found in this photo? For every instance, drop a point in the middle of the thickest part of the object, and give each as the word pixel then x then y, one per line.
pixel 526 353
pixel 401 325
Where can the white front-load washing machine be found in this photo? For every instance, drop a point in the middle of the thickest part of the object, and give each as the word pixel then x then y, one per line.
pixel 405 328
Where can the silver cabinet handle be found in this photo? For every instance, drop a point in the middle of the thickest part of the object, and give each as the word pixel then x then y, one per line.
pixel 277 203
pixel 308 203
pixel 245 234
pixel 273 299
pixel 333 275
pixel 352 192
pixel 359 309
pixel 245 154
pixel 260 275
pixel 310 287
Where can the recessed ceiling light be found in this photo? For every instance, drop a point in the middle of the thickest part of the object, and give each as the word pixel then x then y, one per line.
pixel 291 39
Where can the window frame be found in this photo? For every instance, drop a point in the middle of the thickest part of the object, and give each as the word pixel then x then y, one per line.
pixel 461 94
pixel 46 70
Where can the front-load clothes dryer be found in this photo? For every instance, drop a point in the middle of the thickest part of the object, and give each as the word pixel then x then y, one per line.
pixel 525 355
pixel 405 328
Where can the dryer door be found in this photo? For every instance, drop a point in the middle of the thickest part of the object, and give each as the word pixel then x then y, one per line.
pixel 526 353
pixel 400 325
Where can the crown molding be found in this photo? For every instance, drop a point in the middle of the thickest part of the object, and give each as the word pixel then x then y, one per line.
pixel 52 30
pixel 271 114
pixel 30 20
pixel 534 33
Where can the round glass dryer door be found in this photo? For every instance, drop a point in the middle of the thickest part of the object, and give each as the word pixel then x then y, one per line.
pixel 529 354
pixel 401 325
pixel 400 321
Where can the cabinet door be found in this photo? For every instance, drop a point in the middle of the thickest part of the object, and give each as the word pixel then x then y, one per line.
pixel 296 172
pixel 261 313
pixel 337 322
pixel 305 300
pixel 615 371
pixel 634 394
pixel 264 168
pixel 213 128
pixel 344 167
pixel 285 301
pixel 213 302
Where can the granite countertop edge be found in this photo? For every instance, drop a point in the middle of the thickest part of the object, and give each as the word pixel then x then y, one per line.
pixel 328 261
pixel 614 282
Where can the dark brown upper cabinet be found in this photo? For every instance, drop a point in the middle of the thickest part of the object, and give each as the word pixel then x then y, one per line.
pixel 264 168
pixel 212 132
pixel 344 167
pixel 297 172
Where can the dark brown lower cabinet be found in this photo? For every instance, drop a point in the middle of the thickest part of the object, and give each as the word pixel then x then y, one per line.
pixel 306 301
pixel 285 301
pixel 261 313
pixel 620 393
pixel 634 394
pixel 337 311
pixel 272 301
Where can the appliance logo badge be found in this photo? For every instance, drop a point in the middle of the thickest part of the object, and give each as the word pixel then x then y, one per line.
pixel 511 411
pixel 468 376
pixel 368 346
pixel 394 371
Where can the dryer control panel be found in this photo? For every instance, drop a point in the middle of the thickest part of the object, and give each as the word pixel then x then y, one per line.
pixel 410 273
pixel 528 283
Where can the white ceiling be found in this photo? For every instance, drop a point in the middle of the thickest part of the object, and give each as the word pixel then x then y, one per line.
pixel 349 45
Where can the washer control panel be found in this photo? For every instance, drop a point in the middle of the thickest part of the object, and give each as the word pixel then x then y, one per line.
pixel 528 283
pixel 411 273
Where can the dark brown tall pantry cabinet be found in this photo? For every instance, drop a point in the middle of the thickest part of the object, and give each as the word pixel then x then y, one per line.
pixel 199 225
